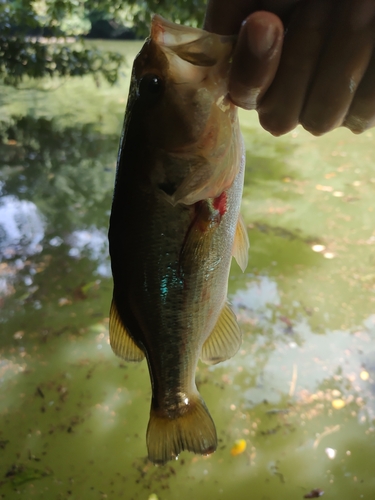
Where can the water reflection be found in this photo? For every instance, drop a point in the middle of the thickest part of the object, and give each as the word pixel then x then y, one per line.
pixel 300 392
pixel 287 370
pixel 66 172
pixel 94 243
pixel 56 186
pixel 21 228
pixel 21 234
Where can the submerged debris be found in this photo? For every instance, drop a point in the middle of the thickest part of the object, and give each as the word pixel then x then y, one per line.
pixel 20 474
pixel 3 443
pixel 316 493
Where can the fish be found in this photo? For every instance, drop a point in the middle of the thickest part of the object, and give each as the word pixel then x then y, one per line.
pixel 174 226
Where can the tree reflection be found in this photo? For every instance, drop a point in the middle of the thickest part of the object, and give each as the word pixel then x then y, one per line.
pixel 55 195
pixel 66 172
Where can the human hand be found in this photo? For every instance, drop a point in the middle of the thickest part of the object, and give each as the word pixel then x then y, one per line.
pixel 320 74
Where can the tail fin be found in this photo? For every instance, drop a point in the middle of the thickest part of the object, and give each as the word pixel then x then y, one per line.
pixel 193 430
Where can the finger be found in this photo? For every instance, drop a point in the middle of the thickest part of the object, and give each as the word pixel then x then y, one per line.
pixel 342 66
pixel 255 59
pixel 361 114
pixel 280 109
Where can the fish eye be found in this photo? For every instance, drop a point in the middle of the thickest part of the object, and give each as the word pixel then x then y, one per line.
pixel 150 85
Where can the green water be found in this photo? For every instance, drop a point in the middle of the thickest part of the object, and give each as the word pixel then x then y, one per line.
pixel 301 392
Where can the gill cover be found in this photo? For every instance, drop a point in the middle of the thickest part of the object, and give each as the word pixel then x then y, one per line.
pixel 198 65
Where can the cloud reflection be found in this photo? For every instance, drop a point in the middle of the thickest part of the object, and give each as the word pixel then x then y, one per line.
pixel 21 228
pixel 93 242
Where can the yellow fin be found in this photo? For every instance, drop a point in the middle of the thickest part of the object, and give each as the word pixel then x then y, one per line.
pixel 224 340
pixel 198 240
pixel 241 244
pixel 196 185
pixel 121 342
pixel 191 429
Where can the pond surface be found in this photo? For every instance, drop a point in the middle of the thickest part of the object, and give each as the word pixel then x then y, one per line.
pixel 300 395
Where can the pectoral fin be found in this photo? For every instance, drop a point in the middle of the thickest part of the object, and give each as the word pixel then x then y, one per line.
pixel 241 244
pixel 224 340
pixel 197 242
pixel 194 187
pixel 121 342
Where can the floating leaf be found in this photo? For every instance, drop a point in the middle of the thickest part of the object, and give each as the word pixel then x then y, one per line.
pixel 64 302
pixel 238 447
pixel 320 187
pixel 315 493
pixel 318 248
pixel 338 404
pixel 331 453
pixel 21 474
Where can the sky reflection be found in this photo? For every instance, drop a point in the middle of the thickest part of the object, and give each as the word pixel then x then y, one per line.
pixel 22 228
pixel 23 231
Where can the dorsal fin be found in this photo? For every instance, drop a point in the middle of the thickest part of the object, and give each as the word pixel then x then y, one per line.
pixel 241 244
pixel 224 340
pixel 121 342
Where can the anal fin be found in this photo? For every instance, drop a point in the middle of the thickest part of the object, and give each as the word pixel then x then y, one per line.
pixel 224 340
pixel 121 342
pixel 241 244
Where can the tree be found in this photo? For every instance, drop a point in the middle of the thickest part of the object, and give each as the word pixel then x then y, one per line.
pixel 24 55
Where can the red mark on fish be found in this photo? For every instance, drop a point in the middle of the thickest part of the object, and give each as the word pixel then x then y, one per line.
pixel 220 203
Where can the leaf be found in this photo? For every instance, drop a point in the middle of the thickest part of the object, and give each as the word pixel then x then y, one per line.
pixel 21 474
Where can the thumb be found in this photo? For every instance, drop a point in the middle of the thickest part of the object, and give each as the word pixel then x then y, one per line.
pixel 256 58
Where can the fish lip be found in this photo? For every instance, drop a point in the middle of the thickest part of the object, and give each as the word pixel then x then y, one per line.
pixel 161 26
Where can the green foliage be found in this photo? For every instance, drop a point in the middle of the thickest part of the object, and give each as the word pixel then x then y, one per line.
pixel 189 12
pixel 24 56
pixel 21 58
pixel 139 12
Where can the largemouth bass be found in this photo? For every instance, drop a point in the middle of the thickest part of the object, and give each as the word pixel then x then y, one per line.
pixel 174 227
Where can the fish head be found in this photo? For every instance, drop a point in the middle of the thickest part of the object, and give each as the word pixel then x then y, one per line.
pixel 179 84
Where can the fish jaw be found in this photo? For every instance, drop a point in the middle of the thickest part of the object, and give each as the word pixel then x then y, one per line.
pixel 192 45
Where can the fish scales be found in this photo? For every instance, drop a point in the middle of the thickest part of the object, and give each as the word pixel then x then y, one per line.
pixel 174 227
